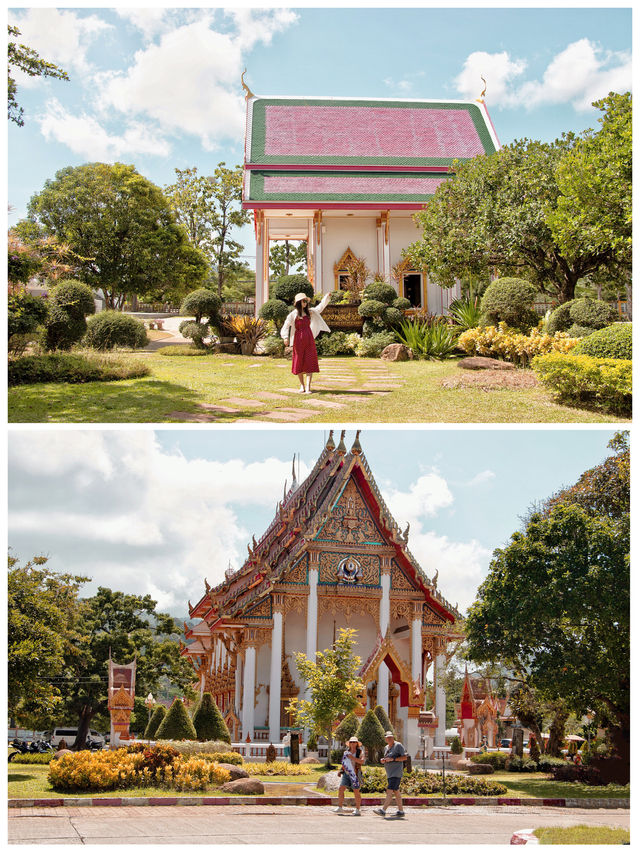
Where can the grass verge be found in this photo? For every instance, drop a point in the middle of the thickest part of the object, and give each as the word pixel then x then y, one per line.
pixel 582 834
pixel 180 385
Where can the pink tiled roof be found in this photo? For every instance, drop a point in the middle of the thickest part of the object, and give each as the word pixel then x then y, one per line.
pixel 284 183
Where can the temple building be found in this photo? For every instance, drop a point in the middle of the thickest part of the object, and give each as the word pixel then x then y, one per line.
pixel 347 176
pixel 332 557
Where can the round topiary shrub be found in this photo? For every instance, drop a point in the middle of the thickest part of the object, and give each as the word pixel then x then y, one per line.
pixel 611 342
pixel 74 296
pixel 288 285
pixel 401 303
pixel 456 746
pixel 392 316
pixel 581 315
pixel 196 332
pixel 371 735
pixel 509 300
pixel 111 329
pixel 202 303
pixel 383 718
pixel 69 303
pixel 177 725
pixel 380 291
pixel 371 308
pixel 208 721
pixel 276 310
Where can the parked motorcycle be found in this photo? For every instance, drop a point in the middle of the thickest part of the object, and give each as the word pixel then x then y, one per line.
pixel 23 747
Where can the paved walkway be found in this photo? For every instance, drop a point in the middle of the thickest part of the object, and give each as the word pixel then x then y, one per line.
pixel 289 825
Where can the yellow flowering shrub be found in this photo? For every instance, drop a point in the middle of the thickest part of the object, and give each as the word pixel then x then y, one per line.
pixel 602 383
pixel 195 774
pixel 96 771
pixel 511 345
pixel 275 768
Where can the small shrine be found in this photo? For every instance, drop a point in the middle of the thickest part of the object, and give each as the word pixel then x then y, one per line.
pixel 477 713
pixel 332 557
pixel 122 691
pixel 346 175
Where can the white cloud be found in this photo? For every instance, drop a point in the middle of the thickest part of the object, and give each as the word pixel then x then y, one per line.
pixel 150 21
pixel 259 25
pixel 480 478
pixel 84 135
pixel 425 497
pixel 117 507
pixel 59 36
pixel 579 75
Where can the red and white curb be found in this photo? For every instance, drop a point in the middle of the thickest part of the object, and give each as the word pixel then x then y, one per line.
pixel 524 836
pixel 586 803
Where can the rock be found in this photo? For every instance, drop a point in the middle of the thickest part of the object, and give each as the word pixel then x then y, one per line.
pixel 235 771
pixel 244 786
pixel 480 769
pixel 330 781
pixel 479 362
pixel 396 352
pixel 309 760
pixel 62 752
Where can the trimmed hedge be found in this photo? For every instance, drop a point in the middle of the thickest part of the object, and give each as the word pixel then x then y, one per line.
pixel 374 781
pixel 154 723
pixel 177 725
pixel 584 313
pixel 604 383
pixel 510 300
pixel 288 285
pixel 611 342
pixel 68 367
pixel 206 748
pixel 202 302
pixel 496 759
pixel 208 721
pixel 110 329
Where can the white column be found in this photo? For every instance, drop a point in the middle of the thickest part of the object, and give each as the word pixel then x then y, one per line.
pixel 441 700
pixel 416 650
pixel 318 257
pixel 260 270
pixel 249 692
pixel 238 696
pixel 276 678
pixel 383 671
pixel 312 619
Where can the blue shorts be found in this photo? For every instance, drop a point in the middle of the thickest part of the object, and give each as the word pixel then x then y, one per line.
pixel 345 782
pixel 393 783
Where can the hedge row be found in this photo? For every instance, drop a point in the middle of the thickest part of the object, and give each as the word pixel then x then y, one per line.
pixel 374 781
pixel 603 383
pixel 74 368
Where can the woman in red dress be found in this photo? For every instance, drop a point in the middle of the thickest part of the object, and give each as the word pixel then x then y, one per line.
pixel 304 324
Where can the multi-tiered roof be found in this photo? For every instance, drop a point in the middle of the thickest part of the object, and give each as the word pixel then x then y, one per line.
pixel 298 521
pixel 357 153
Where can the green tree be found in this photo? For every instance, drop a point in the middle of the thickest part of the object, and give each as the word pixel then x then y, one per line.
pixel 125 626
pixel 594 178
pixel 40 608
pixel 27 60
pixel 347 728
pixel 555 604
pixel 202 303
pixel 209 722
pixel 333 684
pixel 285 257
pixel 122 229
pixel 177 724
pixel 371 735
pixel 384 720
pixel 68 305
pixel 494 213
pixel 154 723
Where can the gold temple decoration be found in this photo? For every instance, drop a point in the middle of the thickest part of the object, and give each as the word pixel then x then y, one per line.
pixel 480 100
pixel 245 87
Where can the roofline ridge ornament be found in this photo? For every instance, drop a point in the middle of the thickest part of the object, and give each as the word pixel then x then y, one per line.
pixel 245 87
pixel 356 448
pixel 480 100
pixel 341 448
pixel 330 445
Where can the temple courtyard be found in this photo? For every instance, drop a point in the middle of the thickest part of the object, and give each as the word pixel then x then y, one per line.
pixel 291 824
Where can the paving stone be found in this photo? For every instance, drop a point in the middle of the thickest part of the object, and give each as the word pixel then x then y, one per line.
pixel 269 395
pixel 191 417
pixel 291 415
pixel 242 401
pixel 322 403
pixel 214 407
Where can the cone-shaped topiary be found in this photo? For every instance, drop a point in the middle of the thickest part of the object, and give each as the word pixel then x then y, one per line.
pixel 385 722
pixel 177 725
pixel 347 728
pixel 371 734
pixel 208 721
pixel 154 723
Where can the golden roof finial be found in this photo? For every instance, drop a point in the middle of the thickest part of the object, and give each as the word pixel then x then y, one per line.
pixel 245 87
pixel 480 100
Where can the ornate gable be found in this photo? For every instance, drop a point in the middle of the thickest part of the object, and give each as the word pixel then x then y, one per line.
pixel 400 581
pixel 261 610
pixel 351 521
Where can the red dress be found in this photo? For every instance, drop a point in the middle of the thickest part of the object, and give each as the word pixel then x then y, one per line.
pixel 305 355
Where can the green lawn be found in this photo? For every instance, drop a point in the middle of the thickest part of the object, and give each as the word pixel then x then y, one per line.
pixel 181 383
pixel 539 785
pixel 582 834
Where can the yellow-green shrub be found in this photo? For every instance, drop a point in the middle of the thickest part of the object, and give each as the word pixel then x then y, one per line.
pixel 218 748
pixel 601 382
pixel 98 771
pixel 275 768
pixel 195 774
pixel 510 344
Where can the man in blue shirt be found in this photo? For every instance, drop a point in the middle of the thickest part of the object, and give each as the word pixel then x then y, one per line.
pixel 393 759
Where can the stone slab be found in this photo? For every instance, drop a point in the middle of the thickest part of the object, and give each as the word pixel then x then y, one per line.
pixel 269 395
pixel 290 415
pixel 326 404
pixel 243 401
pixel 214 407
pixel 193 417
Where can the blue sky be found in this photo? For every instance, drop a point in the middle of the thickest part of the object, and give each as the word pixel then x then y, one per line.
pixel 160 88
pixel 156 512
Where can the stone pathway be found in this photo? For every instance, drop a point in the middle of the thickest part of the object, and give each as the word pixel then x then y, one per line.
pixel 337 385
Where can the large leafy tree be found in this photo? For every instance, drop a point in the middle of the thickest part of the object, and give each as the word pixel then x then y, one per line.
pixel 285 257
pixel 493 215
pixel 333 683
pixel 121 229
pixel 27 60
pixel 124 626
pixel 40 607
pixel 555 605
pixel 209 207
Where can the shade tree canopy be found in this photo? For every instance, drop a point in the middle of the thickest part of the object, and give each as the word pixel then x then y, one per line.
pixel 27 60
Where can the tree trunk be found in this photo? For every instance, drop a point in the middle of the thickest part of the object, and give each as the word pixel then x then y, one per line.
pixel 84 722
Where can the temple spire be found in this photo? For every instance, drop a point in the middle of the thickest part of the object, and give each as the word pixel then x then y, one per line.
pixel 341 449
pixel 331 445
pixel 294 480
pixel 356 448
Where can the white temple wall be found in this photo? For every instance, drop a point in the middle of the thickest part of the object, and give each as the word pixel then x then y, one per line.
pixel 263 666
pixel 402 232
pixel 295 638
pixel 357 232
pixel 363 624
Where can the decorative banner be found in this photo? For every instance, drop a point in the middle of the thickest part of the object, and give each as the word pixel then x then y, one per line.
pixel 122 691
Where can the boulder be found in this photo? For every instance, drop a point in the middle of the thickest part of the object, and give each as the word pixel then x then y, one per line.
pixel 396 352
pixel 479 362
pixel 330 781
pixel 309 760
pixel 62 752
pixel 480 769
pixel 243 786
pixel 235 771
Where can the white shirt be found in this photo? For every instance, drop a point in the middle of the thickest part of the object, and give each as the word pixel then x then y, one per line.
pixel 318 325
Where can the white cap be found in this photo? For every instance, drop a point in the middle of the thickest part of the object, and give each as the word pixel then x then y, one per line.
pixel 300 296
pixel 390 734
